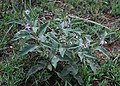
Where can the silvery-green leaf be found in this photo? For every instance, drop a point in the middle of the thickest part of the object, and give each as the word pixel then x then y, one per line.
pixel 62 51
pixel 42 38
pixel 92 65
pixel 34 69
pixel 43 28
pixel 49 67
pixel 35 23
pixel 21 34
pixel 65 71
pixel 89 55
pixel 73 46
pixel 104 51
pixel 28 48
pixel 81 55
pixel 88 37
pixel 47 44
pixel 74 69
pixel 54 61
pixel 35 29
pixel 43 62
pixel 52 36
pixel 62 25
pixel 77 30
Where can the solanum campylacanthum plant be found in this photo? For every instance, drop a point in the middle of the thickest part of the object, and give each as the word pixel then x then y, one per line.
pixel 65 47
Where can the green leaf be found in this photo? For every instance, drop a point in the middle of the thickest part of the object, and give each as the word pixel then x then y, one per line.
pixel 81 55
pixel 62 25
pixel 89 55
pixel 54 61
pixel 21 34
pixel 28 48
pixel 74 69
pixel 77 30
pixel 35 26
pixel 42 38
pixel 62 51
pixel 34 69
pixel 73 46
pixel 36 23
pixel 92 65
pixel 49 67
pixel 35 29
pixel 84 53
pixel 88 37
pixel 47 44
pixel 104 51
pixel 65 71
pixel 43 62
pixel 52 36
pixel 43 28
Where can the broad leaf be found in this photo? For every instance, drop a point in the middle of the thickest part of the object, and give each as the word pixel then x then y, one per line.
pixel 52 36
pixel 42 38
pixel 47 44
pixel 21 34
pixel 92 65
pixel 28 48
pixel 54 61
pixel 36 23
pixel 43 28
pixel 35 26
pixel 73 46
pixel 34 69
pixel 104 51
pixel 35 29
pixel 77 30
pixel 49 67
pixel 74 69
pixel 65 71
pixel 62 51
pixel 81 55
pixel 43 62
